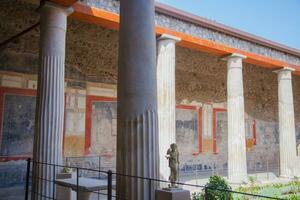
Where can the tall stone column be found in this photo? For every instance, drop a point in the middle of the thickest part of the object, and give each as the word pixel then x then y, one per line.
pixel 237 162
pixel 50 99
pixel 287 135
pixel 137 138
pixel 166 100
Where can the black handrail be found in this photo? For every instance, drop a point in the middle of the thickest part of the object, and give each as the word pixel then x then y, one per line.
pixel 109 182
pixel 109 185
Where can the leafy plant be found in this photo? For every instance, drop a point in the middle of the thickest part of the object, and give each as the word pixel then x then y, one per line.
pixel 252 180
pixel 294 197
pixel 197 196
pixel 216 189
pixel 289 190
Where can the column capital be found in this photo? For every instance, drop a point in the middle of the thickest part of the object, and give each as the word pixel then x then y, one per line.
pixel 284 73
pixel 234 55
pixel 168 37
pixel 284 69
pixel 66 10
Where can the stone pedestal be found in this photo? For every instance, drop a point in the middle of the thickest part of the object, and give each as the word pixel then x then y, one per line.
pixel 237 161
pixel 166 102
pixel 137 138
pixel 50 100
pixel 172 194
pixel 62 192
pixel 84 186
pixel 287 135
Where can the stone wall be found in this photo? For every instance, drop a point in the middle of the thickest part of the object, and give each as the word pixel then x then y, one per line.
pixel 201 32
pixel 91 70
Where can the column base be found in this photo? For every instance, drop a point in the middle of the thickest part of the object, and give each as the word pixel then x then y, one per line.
pixel 238 182
pixel 287 177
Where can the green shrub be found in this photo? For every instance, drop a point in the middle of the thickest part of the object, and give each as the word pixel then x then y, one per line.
pixel 197 196
pixel 212 192
pixel 289 190
pixel 217 182
pixel 252 180
pixel 294 197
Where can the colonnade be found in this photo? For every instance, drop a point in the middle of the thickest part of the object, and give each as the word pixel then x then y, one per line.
pixel 146 103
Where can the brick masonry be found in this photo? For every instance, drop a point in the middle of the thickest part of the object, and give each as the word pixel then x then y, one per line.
pixel 91 70
pixel 202 32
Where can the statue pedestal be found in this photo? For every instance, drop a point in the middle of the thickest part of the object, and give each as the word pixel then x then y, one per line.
pixel 65 193
pixel 172 194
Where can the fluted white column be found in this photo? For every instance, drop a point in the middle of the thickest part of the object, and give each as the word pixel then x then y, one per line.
pixel 137 138
pixel 50 99
pixel 237 162
pixel 166 102
pixel 287 133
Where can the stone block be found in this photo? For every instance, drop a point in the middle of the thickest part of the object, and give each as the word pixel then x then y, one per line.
pixel 172 194
pixel 11 81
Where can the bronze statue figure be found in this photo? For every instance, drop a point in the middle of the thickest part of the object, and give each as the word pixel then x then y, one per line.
pixel 173 157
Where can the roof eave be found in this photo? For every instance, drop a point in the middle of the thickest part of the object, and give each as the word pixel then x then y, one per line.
pixel 188 17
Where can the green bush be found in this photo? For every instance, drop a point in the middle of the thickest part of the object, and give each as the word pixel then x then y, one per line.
pixel 289 190
pixel 252 180
pixel 212 192
pixel 197 196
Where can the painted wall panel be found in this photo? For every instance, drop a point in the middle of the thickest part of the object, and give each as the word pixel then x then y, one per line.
pixel 187 137
pixel 103 132
pixel 18 125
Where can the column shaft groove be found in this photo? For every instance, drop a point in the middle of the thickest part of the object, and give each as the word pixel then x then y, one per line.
pixel 166 102
pixel 137 139
pixel 237 161
pixel 287 133
pixel 50 101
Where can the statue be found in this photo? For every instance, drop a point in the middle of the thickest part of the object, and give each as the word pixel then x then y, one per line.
pixel 173 157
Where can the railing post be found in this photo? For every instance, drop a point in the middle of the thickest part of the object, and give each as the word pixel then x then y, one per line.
pixel 150 188
pixel 54 174
pixel 27 179
pixel 205 193
pixel 77 183
pixel 109 185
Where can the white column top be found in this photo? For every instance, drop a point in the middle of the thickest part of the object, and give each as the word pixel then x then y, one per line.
pixel 234 55
pixel 67 10
pixel 285 69
pixel 168 37
pixel 284 73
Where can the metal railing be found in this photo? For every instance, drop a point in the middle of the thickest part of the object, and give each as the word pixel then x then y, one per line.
pixel 109 179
